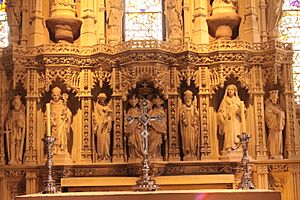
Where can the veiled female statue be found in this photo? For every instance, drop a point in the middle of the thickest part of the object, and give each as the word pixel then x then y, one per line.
pixel 229 117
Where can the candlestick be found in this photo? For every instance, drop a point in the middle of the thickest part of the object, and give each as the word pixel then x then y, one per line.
pixel 48 115
pixel 243 126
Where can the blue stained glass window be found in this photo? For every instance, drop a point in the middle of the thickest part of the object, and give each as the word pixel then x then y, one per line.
pixel 143 20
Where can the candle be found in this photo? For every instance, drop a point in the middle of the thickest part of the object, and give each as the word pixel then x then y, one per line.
pixel 48 124
pixel 243 126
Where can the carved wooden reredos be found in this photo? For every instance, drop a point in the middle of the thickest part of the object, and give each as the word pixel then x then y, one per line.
pixel 74 58
pixel 165 70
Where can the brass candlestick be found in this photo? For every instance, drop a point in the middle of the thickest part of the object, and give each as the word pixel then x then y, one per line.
pixel 49 183
pixel 246 179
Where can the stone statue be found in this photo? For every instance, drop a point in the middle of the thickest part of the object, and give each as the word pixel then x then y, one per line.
pixel 229 118
pixel 157 130
pixel 102 121
pixel 189 126
pixel 274 14
pixel 132 131
pixel 275 120
pixel 114 18
pixel 15 132
pixel 61 119
pixel 14 18
pixel 174 18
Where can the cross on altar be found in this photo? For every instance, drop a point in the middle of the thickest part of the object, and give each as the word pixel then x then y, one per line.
pixel 145 183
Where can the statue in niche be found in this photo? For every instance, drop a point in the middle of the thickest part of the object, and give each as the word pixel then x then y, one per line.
pixel 231 118
pixel 275 120
pixel 102 121
pixel 61 119
pixel 157 130
pixel 15 132
pixel 14 18
pixel 132 131
pixel 274 14
pixel 189 126
pixel 174 18
pixel 114 16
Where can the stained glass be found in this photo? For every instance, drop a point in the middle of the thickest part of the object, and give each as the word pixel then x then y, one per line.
pixel 4 29
pixel 290 32
pixel 143 20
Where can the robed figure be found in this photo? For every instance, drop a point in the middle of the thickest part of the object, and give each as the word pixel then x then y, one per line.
pixel 229 118
pixel 15 132
pixel 275 120
pixel 102 121
pixel 157 130
pixel 189 126
pixel 133 130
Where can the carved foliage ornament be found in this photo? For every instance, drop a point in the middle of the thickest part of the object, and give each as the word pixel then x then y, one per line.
pixel 70 77
pixel 101 76
pixel 158 75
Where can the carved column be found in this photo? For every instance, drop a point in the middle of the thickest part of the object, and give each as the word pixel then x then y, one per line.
pixel 250 25
pixel 173 117
pixel 262 177
pixel 2 119
pixel 31 118
pixel 31 182
pixel 100 10
pixel 263 21
pixel 25 19
pixel 205 133
pixel 88 35
pixel 292 137
pixel 295 180
pixel 259 119
pixel 3 186
pixel 187 28
pixel 118 143
pixel 36 20
pixel 86 116
pixel 200 29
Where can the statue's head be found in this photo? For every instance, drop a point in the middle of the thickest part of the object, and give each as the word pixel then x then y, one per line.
pixel 188 97
pixel 231 90
pixel 56 94
pixel 101 97
pixel 273 96
pixel 17 103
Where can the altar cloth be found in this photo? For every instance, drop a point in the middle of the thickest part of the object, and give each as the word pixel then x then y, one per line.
pixel 217 194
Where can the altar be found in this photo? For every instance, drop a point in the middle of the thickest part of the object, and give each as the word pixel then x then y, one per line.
pixel 183 182
pixel 217 194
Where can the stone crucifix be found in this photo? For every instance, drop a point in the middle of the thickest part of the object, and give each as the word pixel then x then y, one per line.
pixel 145 183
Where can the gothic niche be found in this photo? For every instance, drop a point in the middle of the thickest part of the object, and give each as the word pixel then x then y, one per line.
pixel 63 109
pixel 15 128
pixel 230 104
pixel 275 121
pixel 189 124
pixel 157 138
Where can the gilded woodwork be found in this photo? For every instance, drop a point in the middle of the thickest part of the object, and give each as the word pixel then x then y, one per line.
pixel 99 62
